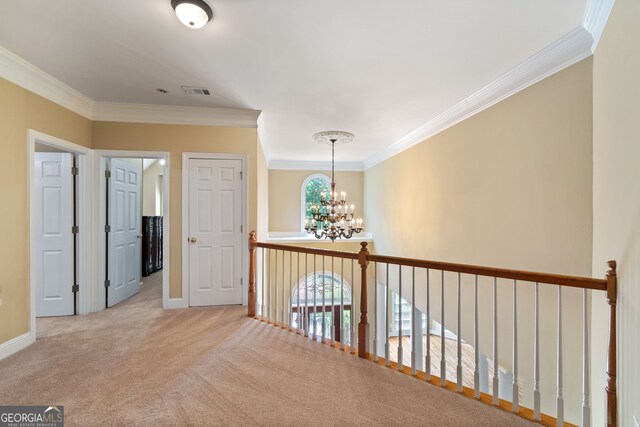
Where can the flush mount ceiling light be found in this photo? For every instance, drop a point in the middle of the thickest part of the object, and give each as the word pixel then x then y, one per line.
pixel 192 13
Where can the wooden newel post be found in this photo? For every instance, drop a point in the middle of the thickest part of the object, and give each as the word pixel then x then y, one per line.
pixel 364 322
pixel 253 242
pixel 611 390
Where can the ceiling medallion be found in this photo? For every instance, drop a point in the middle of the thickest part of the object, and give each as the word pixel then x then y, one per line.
pixel 331 219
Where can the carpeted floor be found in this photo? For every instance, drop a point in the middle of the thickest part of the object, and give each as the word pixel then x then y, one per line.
pixel 136 364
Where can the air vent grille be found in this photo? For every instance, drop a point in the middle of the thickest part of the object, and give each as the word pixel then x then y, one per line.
pixel 190 90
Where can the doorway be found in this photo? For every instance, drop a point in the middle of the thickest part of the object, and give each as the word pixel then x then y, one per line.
pixel 214 201
pixel 59 224
pixel 133 226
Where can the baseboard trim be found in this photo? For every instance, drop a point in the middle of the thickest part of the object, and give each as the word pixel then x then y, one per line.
pixel 174 303
pixel 16 344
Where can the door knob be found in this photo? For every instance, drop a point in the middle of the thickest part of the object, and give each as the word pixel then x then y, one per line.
pixel 193 240
pixel 139 236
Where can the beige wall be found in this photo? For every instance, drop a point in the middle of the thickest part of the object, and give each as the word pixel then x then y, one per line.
pixel 616 201
pixel 177 139
pixel 508 187
pixel 149 188
pixel 285 197
pixel 21 110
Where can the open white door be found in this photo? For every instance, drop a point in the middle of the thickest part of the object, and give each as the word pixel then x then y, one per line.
pixel 215 232
pixel 54 237
pixel 124 222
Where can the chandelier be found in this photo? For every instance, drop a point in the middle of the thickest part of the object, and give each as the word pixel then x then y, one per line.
pixel 331 219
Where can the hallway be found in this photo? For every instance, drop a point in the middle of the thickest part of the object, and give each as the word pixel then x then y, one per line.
pixel 138 364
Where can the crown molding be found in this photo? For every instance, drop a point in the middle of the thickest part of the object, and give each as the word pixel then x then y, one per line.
pixel 174 115
pixel 566 51
pixel 595 18
pixel 28 76
pixel 306 165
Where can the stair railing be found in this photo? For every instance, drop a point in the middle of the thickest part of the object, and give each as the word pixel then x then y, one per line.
pixel 279 301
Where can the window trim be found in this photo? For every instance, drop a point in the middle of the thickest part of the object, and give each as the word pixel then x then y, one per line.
pixel 303 195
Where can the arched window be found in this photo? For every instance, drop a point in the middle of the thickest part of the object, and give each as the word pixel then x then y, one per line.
pixel 323 296
pixel 312 188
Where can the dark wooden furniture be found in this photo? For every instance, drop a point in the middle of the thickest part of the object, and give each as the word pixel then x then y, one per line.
pixel 151 244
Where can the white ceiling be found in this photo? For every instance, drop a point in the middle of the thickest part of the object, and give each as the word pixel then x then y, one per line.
pixel 377 68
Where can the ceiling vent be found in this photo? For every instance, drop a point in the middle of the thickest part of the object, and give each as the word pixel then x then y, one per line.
pixel 190 90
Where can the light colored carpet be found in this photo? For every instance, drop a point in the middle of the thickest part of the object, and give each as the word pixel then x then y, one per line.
pixel 137 364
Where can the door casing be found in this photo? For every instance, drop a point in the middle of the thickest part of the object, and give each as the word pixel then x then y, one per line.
pixel 185 214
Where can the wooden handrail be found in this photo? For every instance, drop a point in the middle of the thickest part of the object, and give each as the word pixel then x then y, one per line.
pixel 503 273
pixel 306 250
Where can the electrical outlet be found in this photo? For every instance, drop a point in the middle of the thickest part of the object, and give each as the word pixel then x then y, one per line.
pixel 0 300
pixel 636 423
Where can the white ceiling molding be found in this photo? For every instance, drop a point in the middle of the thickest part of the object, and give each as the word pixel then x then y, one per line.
pixel 22 73
pixel 174 115
pixel 595 19
pixel 315 165
pixel 26 75
pixel 568 50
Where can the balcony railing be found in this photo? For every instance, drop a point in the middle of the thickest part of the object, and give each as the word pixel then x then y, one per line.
pixel 279 268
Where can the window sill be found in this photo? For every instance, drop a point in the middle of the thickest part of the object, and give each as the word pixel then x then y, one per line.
pixel 293 237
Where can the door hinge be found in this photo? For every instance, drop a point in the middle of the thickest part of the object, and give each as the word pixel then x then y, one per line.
pixel 75 229
pixel 75 171
pixel 240 174
pixel 241 281
pixel 107 174
pixel 107 283
pixel 241 228
pixel 107 229
pixel 75 288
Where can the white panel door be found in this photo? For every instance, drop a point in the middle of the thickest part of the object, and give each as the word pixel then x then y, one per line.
pixel 215 233
pixel 124 238
pixel 54 237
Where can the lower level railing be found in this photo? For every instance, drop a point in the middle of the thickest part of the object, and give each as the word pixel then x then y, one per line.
pixel 319 294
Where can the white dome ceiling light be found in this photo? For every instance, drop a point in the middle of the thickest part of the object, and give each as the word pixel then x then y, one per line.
pixel 192 13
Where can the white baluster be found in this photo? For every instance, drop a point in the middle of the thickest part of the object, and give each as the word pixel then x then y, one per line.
pixel 284 305
pixel 586 399
pixel 375 312
pixel 414 337
pixel 496 398
pixel 427 357
pixel 263 296
pixel 332 338
pixel 354 344
pixel 536 362
pixel 342 328
pixel 306 296
pixel 400 351
pixel 322 323
pixel 298 292
pixel 275 312
pixel 459 367
pixel 314 322
pixel 559 398
pixel 290 305
pixel 476 343
pixel 515 406
pixel 387 352
pixel 269 286
pixel 443 354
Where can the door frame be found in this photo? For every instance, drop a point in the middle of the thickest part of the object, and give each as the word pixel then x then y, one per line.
pixel 100 190
pixel 185 218
pixel 84 204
